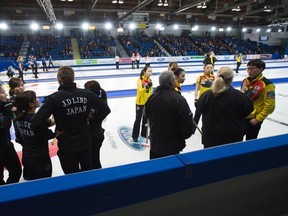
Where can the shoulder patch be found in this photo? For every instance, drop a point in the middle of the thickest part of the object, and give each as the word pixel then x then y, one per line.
pixel 270 95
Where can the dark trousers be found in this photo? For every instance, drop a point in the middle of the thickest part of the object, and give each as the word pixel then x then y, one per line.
pixel 117 65
pixel 137 63
pixel 21 75
pixel 73 162
pixel 133 64
pixel 238 66
pixel 136 126
pixel 37 167
pixel 251 131
pixel 97 140
pixel 44 66
pixel 196 120
pixel 9 159
pixel 51 63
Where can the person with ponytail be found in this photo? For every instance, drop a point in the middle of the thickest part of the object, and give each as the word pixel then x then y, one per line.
pixel 35 158
pixel 95 124
pixel 179 74
pixel 144 90
pixel 223 110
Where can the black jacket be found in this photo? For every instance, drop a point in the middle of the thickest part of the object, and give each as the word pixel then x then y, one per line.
pixel 71 108
pixel 5 123
pixel 223 116
pixel 170 120
pixel 34 140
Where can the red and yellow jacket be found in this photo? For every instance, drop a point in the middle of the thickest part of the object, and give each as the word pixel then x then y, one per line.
pixel 178 86
pixel 143 92
pixel 262 92
pixel 205 83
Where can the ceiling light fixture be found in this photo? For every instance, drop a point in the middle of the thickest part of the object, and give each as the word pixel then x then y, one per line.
pixel 203 6
pixel 267 8
pixel 165 3
pixel 237 9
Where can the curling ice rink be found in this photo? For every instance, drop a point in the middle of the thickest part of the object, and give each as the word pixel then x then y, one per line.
pixel 114 151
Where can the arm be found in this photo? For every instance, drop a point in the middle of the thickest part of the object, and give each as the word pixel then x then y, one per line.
pixel 186 122
pixel 269 102
pixel 45 111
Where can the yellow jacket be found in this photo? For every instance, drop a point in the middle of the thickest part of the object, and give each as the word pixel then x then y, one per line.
pixel 143 92
pixel 262 92
pixel 238 58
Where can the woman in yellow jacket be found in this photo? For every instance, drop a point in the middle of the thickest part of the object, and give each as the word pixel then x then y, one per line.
pixel 144 90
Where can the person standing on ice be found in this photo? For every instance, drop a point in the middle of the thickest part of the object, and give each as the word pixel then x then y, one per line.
pixel 144 90
pixel 170 118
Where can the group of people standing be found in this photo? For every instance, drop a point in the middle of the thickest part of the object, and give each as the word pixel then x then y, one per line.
pixel 228 114
pixel 32 62
pixel 77 115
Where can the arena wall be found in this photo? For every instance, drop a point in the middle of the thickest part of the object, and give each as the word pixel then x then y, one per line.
pixel 245 178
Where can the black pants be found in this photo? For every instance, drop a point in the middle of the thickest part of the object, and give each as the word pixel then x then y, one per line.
pixel 9 159
pixel 37 167
pixel 196 120
pixel 238 66
pixel 137 63
pixel 133 64
pixel 44 66
pixel 117 65
pixel 251 131
pixel 73 162
pixel 51 63
pixel 136 126
pixel 97 140
pixel 21 75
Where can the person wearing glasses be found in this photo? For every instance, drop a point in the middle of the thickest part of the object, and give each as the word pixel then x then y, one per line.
pixel 262 93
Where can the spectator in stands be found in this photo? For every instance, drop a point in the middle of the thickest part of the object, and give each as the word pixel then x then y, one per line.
pixel 238 61
pixel 20 68
pixel 224 110
pixel 95 124
pixel 117 61
pixel 169 117
pixel 262 92
pixel 203 83
pixel 144 90
pixel 8 156
pixel 133 60
pixel 35 158
pixel 44 65
pixel 173 66
pixel 71 107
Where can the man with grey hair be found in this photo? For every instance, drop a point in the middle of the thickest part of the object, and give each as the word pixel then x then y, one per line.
pixel 169 117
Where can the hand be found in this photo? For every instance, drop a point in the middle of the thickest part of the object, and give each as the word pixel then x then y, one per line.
pixel 149 84
pixel 254 121
pixel 195 102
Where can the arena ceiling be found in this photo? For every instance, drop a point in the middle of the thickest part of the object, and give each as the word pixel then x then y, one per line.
pixel 179 11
